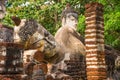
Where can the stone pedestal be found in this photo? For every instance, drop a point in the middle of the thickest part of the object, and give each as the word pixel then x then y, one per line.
pixel 94 42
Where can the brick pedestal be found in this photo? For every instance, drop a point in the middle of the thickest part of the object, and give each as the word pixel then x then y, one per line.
pixel 76 69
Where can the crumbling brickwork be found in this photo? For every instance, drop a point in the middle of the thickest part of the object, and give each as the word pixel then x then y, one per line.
pixel 76 68
pixel 94 42
pixel 11 56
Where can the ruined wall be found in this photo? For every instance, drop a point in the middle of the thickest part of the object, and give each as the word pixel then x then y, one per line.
pixel 94 42
pixel 76 68
pixel 11 60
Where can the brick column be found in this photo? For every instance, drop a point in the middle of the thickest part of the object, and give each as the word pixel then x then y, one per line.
pixel 94 42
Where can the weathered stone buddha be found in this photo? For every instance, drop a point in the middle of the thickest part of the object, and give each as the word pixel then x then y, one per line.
pixel 72 65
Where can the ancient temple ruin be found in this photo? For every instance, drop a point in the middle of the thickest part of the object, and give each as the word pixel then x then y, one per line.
pixel 97 66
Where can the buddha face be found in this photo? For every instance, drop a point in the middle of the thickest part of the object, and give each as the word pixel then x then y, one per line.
pixel 70 21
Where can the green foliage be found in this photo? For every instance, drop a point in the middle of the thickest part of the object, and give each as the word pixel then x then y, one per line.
pixel 112 24
pixel 81 24
pixel 112 29
pixel 49 15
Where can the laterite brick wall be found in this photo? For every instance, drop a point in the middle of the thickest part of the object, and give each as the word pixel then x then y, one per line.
pixel 94 42
pixel 11 56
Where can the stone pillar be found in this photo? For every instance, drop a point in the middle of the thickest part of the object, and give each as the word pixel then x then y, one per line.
pixel 94 42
